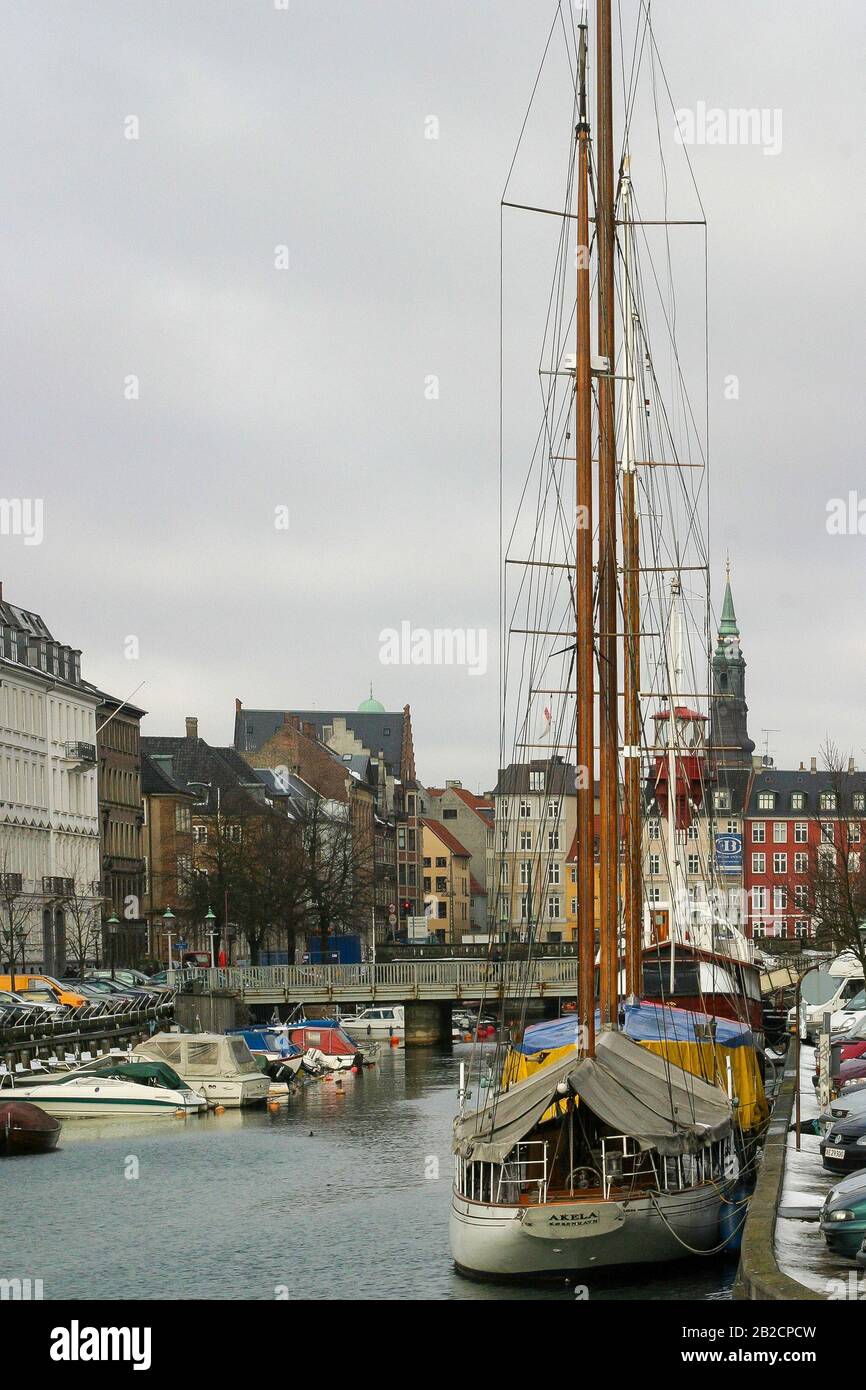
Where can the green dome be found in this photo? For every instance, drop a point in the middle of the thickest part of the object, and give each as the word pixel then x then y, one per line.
pixel 371 706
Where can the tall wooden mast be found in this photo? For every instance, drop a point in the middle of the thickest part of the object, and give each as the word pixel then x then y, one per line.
pixel 607 549
pixel 584 662
pixel 631 614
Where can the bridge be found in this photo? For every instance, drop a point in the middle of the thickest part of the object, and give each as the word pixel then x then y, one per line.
pixel 427 988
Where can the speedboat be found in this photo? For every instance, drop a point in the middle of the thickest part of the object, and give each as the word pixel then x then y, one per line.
pixel 273 1044
pixel 326 1044
pixel 112 1088
pixel 376 1022
pixel 222 1068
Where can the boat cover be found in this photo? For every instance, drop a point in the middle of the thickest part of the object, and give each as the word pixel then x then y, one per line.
pixel 145 1073
pixel 627 1087
pixel 489 1134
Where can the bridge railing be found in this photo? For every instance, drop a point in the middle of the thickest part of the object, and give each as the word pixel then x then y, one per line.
pixel 412 975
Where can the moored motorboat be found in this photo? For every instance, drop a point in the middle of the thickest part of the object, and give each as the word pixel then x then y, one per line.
pixel 378 1022
pixel 113 1089
pixel 327 1044
pixel 273 1044
pixel 27 1129
pixel 221 1068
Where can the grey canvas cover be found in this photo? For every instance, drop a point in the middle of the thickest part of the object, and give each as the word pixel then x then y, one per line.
pixel 627 1087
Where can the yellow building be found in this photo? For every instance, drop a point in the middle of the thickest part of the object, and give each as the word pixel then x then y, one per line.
pixel 446 881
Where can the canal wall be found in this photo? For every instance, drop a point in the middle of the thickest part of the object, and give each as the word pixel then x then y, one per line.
pixel 213 1012
pixel 759 1276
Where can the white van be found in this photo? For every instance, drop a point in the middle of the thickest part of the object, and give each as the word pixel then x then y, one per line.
pixel 827 990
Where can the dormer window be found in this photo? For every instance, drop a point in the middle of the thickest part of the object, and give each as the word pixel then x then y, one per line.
pixel 827 801
pixel 798 801
pixel 536 781
pixel 766 801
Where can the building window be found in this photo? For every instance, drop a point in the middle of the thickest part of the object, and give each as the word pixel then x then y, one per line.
pixel 722 799
pixel 693 864
pixel 441 885
pixel 426 861
pixel 801 862
pixel 798 801
pixel 827 801
pixel 233 834
pixel 426 883
pixel 801 833
pixel 827 834
pixel 525 871
pixel 733 827
pixel 526 839
pixel 503 872
pixel 759 863
pixel 801 895
pixel 854 833
pixel 780 863
pixel 655 864
pixel 766 801
pixel 504 839
pixel 759 832
pixel 553 808
pixel 441 861
pixel 553 839
pixel 182 817
pixel 525 809
pixel 449 814
pixel 692 832
pixel 859 802
pixel 757 929
pixel 653 828
pixel 536 781
pixel 553 873
pixel 523 908
pixel 801 929
pixel 553 907
pixel 780 832
pixel 199 834
pixel 780 898
pixel 654 895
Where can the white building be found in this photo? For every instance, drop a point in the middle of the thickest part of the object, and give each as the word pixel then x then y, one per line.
pixel 50 891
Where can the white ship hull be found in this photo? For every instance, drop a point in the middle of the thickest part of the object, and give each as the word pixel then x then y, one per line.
pixel 576 1237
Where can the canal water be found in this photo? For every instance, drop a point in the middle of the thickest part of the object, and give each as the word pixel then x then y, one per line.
pixel 342 1194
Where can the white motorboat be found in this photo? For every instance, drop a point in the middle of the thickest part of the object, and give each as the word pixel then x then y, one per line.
pixel 379 1021
pixel 222 1068
pixel 112 1089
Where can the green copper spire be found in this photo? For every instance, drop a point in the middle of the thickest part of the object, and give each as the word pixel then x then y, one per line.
pixel 728 625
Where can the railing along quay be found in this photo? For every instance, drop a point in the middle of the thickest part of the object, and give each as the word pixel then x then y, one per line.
pixel 395 980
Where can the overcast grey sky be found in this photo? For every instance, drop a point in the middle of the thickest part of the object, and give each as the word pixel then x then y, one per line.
pixel 305 387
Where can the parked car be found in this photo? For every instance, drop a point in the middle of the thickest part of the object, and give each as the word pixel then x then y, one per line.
pixel 46 1003
pixel 861 1256
pixel 843 1216
pixel 136 979
pixel 67 994
pixel 846 1106
pixel 843 1147
pixel 828 990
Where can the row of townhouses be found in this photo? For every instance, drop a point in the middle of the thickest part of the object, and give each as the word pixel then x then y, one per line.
pixel 105 831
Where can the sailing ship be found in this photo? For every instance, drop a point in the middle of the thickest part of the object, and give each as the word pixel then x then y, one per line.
pixel 608 1148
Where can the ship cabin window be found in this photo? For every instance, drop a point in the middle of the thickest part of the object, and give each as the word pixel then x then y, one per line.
pixel 657 978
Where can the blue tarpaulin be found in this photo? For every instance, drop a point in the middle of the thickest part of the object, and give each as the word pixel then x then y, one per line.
pixel 643 1023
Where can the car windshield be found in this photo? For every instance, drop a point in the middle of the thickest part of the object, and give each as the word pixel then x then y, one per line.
pixel 858 1001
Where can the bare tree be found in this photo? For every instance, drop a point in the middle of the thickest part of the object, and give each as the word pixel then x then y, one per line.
pixel 338 869
pixel 836 881
pixel 16 915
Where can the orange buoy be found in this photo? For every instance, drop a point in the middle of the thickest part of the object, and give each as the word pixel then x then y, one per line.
pixel 395 1042
pixel 467 1037
pixel 219 1110
pixel 273 1106
pixel 179 1114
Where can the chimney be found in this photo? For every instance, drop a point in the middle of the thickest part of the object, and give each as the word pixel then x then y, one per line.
pixel 802 766
pixel 191 726
pixel 238 705
pixel 851 767
pixel 1 590
pixel 814 767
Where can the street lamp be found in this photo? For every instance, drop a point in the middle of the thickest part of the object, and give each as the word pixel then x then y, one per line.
pixel 168 921
pixel 210 918
pixel 112 925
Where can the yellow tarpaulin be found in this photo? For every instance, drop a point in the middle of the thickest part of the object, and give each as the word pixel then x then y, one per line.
pixel 706 1060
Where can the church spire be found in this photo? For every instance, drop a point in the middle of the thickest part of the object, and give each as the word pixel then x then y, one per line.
pixel 728 626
